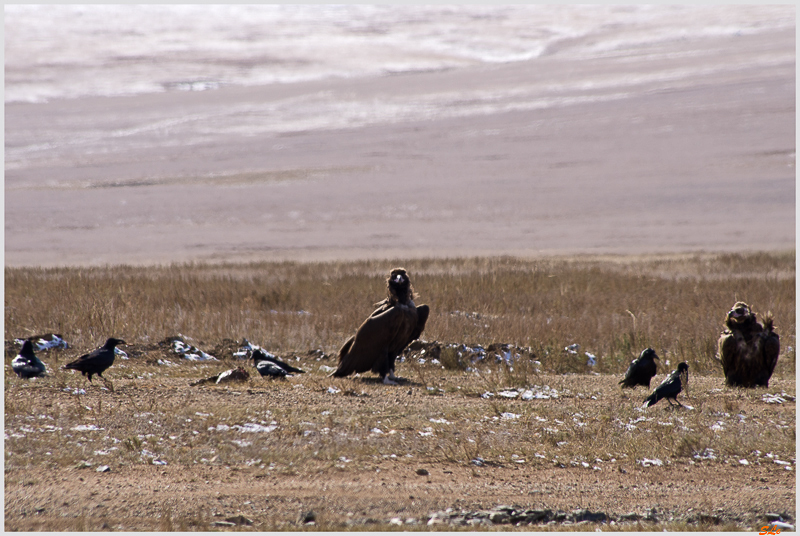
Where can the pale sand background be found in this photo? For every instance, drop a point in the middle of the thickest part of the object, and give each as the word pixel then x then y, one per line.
pixel 668 163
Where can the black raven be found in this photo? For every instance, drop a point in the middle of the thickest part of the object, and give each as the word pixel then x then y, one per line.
pixel 641 370
pixel 671 386
pixel 389 329
pixel 26 364
pixel 96 361
pixel 269 365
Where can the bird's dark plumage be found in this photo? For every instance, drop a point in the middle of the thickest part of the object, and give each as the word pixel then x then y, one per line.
pixel 641 370
pixel 268 365
pixel 389 329
pixel 748 351
pixel 26 364
pixel 671 386
pixel 97 361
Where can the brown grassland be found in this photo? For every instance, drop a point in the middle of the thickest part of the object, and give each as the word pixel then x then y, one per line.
pixel 364 456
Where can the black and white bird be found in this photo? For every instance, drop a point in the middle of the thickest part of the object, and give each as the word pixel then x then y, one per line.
pixel 641 370
pixel 97 361
pixel 26 364
pixel 671 386
pixel 269 365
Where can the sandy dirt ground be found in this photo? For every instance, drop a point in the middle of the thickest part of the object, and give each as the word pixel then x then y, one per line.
pixel 374 490
pixel 659 162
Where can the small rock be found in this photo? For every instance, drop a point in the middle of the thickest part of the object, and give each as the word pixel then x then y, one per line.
pixel 499 518
pixel 239 520
pixel 308 517
pixel 422 472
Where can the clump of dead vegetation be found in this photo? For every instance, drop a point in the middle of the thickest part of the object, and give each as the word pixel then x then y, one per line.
pixel 612 308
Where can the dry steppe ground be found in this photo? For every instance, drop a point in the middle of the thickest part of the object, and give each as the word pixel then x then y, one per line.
pixel 527 425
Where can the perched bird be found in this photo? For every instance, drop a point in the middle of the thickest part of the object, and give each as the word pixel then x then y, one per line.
pixel 269 365
pixel 389 329
pixel 26 364
pixel 748 351
pixel 97 361
pixel 671 386
pixel 641 370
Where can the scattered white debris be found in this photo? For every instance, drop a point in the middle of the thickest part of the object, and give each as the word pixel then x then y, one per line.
pixel 377 431
pixel 428 431
pixel 718 426
pixel 396 521
pixel 744 462
pixel 543 393
pixel 783 526
pixel 241 443
pixel 706 454
pixel 54 342
pixel 777 399
pixel 87 428
pixel 508 394
pixel 344 459
pixel 572 348
pixel 326 368
pixel 119 353
pixel 103 469
pixel 252 427
pixel 507 416
pixel 159 462
pixel 487 394
pixel 74 391
pixel 192 353
pixel 592 359
pixel 440 421
pixel 333 390
pixel 166 363
pixel 646 462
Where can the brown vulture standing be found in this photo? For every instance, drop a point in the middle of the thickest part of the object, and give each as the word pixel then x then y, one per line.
pixel 388 330
pixel 748 351
pixel 641 370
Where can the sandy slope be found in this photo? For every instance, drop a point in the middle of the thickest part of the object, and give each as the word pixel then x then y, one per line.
pixel 626 154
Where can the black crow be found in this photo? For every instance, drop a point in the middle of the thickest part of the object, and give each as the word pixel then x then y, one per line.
pixel 96 361
pixel 671 386
pixel 389 329
pixel 268 365
pixel 641 370
pixel 26 364
pixel 748 351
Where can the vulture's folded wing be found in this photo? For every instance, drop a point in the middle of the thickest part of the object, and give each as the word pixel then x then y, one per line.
pixel 422 317
pixel 370 343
